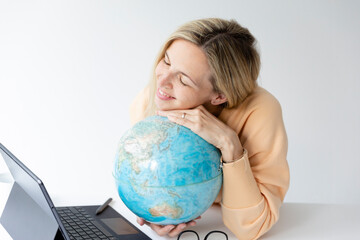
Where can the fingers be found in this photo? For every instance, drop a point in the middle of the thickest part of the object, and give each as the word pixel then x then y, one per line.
pixel 177 230
pixel 184 113
pixel 181 121
pixel 191 223
pixel 170 230
pixel 174 112
pixel 140 221
pixel 162 230
pixel 159 229
pixel 187 117
pixel 181 118
pixel 178 114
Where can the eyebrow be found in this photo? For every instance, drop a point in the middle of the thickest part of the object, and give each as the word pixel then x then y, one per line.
pixel 181 71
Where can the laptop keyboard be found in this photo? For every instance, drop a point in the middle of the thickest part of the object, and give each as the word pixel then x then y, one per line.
pixel 80 225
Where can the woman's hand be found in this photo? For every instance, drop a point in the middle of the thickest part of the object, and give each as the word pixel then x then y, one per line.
pixel 210 128
pixel 170 230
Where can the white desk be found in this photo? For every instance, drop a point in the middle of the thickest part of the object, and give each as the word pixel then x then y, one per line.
pixel 297 221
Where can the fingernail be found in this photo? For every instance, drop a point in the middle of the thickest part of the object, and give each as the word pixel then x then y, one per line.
pixel 171 228
pixel 182 227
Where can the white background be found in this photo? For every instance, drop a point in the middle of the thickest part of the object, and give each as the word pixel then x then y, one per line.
pixel 69 70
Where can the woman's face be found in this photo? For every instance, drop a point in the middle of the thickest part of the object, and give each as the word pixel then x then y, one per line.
pixel 183 78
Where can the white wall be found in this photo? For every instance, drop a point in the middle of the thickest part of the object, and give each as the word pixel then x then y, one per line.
pixel 69 70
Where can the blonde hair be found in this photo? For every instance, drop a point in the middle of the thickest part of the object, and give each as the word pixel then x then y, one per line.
pixel 231 53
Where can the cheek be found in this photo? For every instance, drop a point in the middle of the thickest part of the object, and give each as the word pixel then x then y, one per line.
pixel 160 72
pixel 190 97
pixel 199 98
pixel 161 67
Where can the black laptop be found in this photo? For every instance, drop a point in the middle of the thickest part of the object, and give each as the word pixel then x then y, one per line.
pixel 30 214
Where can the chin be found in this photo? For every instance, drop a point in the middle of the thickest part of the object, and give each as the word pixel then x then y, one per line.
pixel 166 108
pixel 161 107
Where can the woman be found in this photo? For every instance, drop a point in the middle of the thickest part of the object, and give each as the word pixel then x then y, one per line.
pixel 205 79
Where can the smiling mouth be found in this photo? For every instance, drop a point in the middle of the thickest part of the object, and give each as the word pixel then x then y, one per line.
pixel 163 95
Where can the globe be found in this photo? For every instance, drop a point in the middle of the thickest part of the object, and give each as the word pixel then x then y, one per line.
pixel 165 173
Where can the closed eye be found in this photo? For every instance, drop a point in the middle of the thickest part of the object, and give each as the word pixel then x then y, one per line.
pixel 181 81
pixel 166 59
pixel 166 62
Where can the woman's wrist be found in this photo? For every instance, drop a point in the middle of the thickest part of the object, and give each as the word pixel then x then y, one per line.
pixel 231 149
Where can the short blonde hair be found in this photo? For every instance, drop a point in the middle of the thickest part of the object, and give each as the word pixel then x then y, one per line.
pixel 231 53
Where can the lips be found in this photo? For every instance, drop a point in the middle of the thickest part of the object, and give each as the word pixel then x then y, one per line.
pixel 163 96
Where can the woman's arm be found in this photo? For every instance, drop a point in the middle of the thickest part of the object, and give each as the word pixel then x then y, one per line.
pixel 256 174
pixel 255 185
pixel 256 180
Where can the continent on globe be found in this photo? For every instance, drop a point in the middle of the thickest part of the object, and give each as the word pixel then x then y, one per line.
pixel 165 209
pixel 165 173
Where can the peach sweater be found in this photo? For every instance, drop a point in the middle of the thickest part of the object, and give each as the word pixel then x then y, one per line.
pixel 254 186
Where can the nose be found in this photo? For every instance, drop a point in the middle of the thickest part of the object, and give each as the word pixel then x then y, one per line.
pixel 166 79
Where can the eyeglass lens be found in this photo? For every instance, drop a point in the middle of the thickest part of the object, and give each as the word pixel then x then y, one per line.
pixel 213 235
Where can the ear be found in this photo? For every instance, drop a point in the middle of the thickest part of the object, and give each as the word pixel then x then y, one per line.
pixel 218 98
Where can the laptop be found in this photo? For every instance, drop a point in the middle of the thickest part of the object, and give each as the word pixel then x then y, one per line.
pixel 29 212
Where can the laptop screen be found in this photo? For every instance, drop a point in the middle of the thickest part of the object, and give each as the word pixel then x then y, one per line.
pixel 28 211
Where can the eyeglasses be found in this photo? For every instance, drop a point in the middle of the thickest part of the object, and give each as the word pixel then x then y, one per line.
pixel 206 237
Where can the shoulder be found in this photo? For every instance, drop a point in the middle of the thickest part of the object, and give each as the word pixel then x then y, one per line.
pixel 258 121
pixel 138 105
pixel 263 101
pixel 259 107
pixel 264 129
pixel 263 116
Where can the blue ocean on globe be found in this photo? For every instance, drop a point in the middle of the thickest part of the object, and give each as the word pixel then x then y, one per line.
pixel 165 173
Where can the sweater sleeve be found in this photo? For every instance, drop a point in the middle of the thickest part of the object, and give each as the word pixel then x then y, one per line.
pixel 255 185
